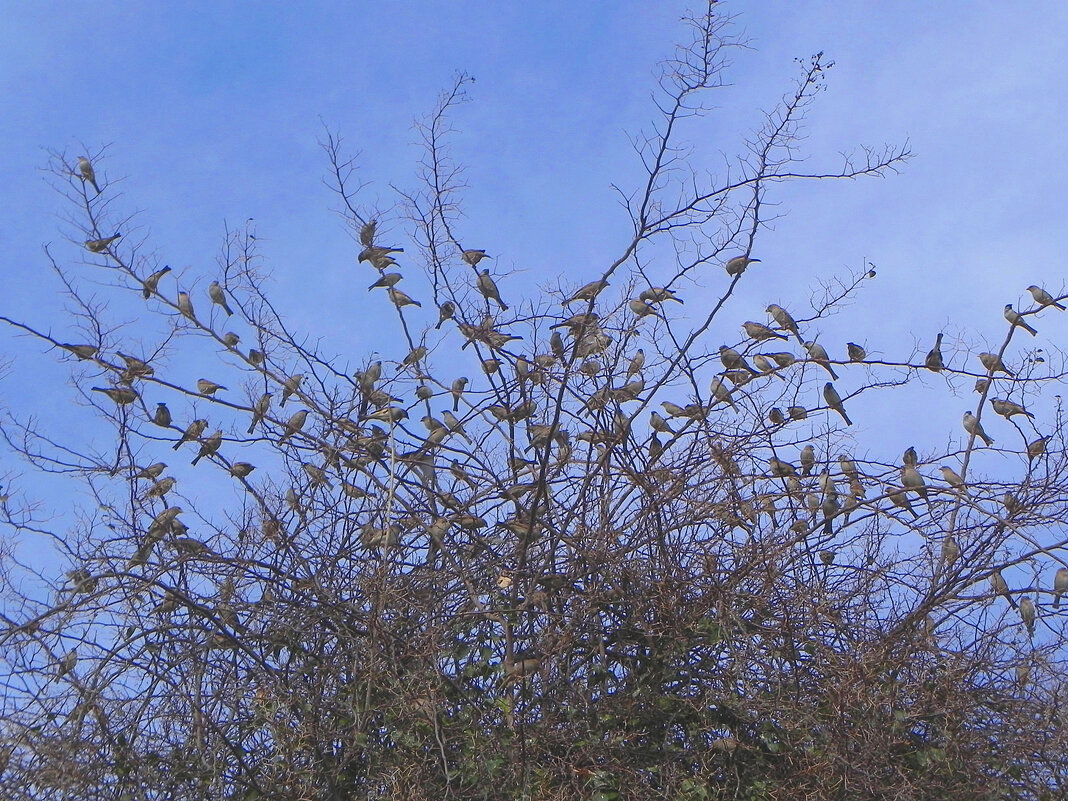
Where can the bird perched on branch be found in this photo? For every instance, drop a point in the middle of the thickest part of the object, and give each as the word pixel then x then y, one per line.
pixel 588 291
pixel 293 425
pixel 87 173
pixel 209 447
pixel 760 332
pixel 209 388
pixel 152 282
pixel 123 396
pixel 973 426
pixel 376 255
pixel 192 432
pixel 259 410
pixel 783 318
pixel 218 297
pixel 1015 318
pixel 489 290
pixel 100 245
pixel 834 400
pixel 1043 298
pixel 659 294
pixel 1007 408
pixel 290 387
pixel 737 265
pixel 934 361
pixel 855 352
pixel 185 305
pixel 993 363
pixel 819 355
pixel 474 255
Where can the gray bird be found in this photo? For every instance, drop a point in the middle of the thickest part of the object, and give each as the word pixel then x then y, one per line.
pixel 160 488
pixel 1036 448
pixel 765 366
pixel 834 401
pixel 152 472
pixel 1043 298
pixel 162 417
pixel 808 459
pixel 457 390
pixel 784 360
pixel 185 305
pixel 1028 614
pixel 733 360
pixel 588 291
pixel 912 480
pixel 855 352
pixel 659 294
pixel 783 318
pixel 100 245
pixel 87 173
pixel 775 416
pixel 259 410
pixel 999 586
pixel 290 387
pixel 218 297
pixel 489 289
pixel 473 256
pixel 643 309
pixel 192 432
pixel 721 392
pixel 974 427
pixel 797 412
pixel 293 425
pixel 377 255
pixel 83 352
pixel 909 457
pixel 1007 408
pixel 209 447
pixel 401 299
pixel 241 469
pixel 737 265
pixel 899 498
pixel 761 332
pixel 953 478
pixel 152 282
pixel 208 388
pixel 993 363
pixel 934 361
pixel 1015 318
pixel 818 354
pixel 230 339
pixel 1060 586
pixel 445 312
pixel 367 233
pixel 122 396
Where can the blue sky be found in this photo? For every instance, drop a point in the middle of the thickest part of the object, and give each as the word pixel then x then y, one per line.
pixel 212 112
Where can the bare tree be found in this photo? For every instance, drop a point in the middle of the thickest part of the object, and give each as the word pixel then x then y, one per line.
pixel 630 556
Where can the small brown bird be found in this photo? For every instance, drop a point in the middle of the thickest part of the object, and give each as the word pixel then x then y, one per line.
pixel 489 289
pixel 934 361
pixel 588 291
pixel 783 318
pixel 819 355
pixel 909 457
pixel 953 478
pixel 208 388
pixel 218 297
pixel 473 256
pixel 659 294
pixel 192 432
pixel 376 255
pixel 152 282
pixel 1043 298
pixel 784 360
pixel 241 469
pixel 993 363
pixel 255 357
pixel 1007 408
pixel 121 395
pixel 83 352
pixel 259 410
pixel 1060 586
pixel 999 586
pixel 761 332
pixel 162 417
pixel 855 352
pixel 1015 318
pixel 390 414
pixel 290 387
pixel 401 299
pixel 973 426
pixel 185 305
pixel 152 472
pixel 912 480
pixel 209 447
pixel 1036 448
pixel 230 339
pixel 100 245
pixel 294 424
pixel 1028 614
pixel 160 488
pixel 797 412
pixel 737 265
pixel 445 312
pixel 834 400
pixel 87 173
pixel 900 499
pixel 808 459
pixel 367 233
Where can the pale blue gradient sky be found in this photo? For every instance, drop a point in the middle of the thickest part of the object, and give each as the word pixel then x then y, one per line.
pixel 213 112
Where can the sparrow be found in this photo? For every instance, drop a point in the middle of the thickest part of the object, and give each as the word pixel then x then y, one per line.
pixel 953 478
pixel 445 312
pixel 152 472
pixel 855 352
pixel 162 417
pixel 761 332
pixel 209 446
pixel 87 173
pixel 1027 614
pixel 83 352
pixel 934 361
pixel 973 426
pixel 659 294
pixel 152 282
pixel 376 255
pixel 185 305
pixel 737 265
pixel 1015 318
pixel 818 354
pixel 489 289
pixel 992 362
pixel 588 291
pixel 473 256
pixel 192 432
pixel 241 469
pixel 775 416
pixel 208 388
pixel 808 459
pixel 294 424
pixel 834 400
pixel 1007 408
pixel 783 318
pixel 259 410
pixel 1060 586
pixel 401 299
pixel 733 360
pixel 1043 298
pixel 291 385
pixel 367 233
pixel 121 395
pixel 218 297
pixel 100 245
pixel 912 480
